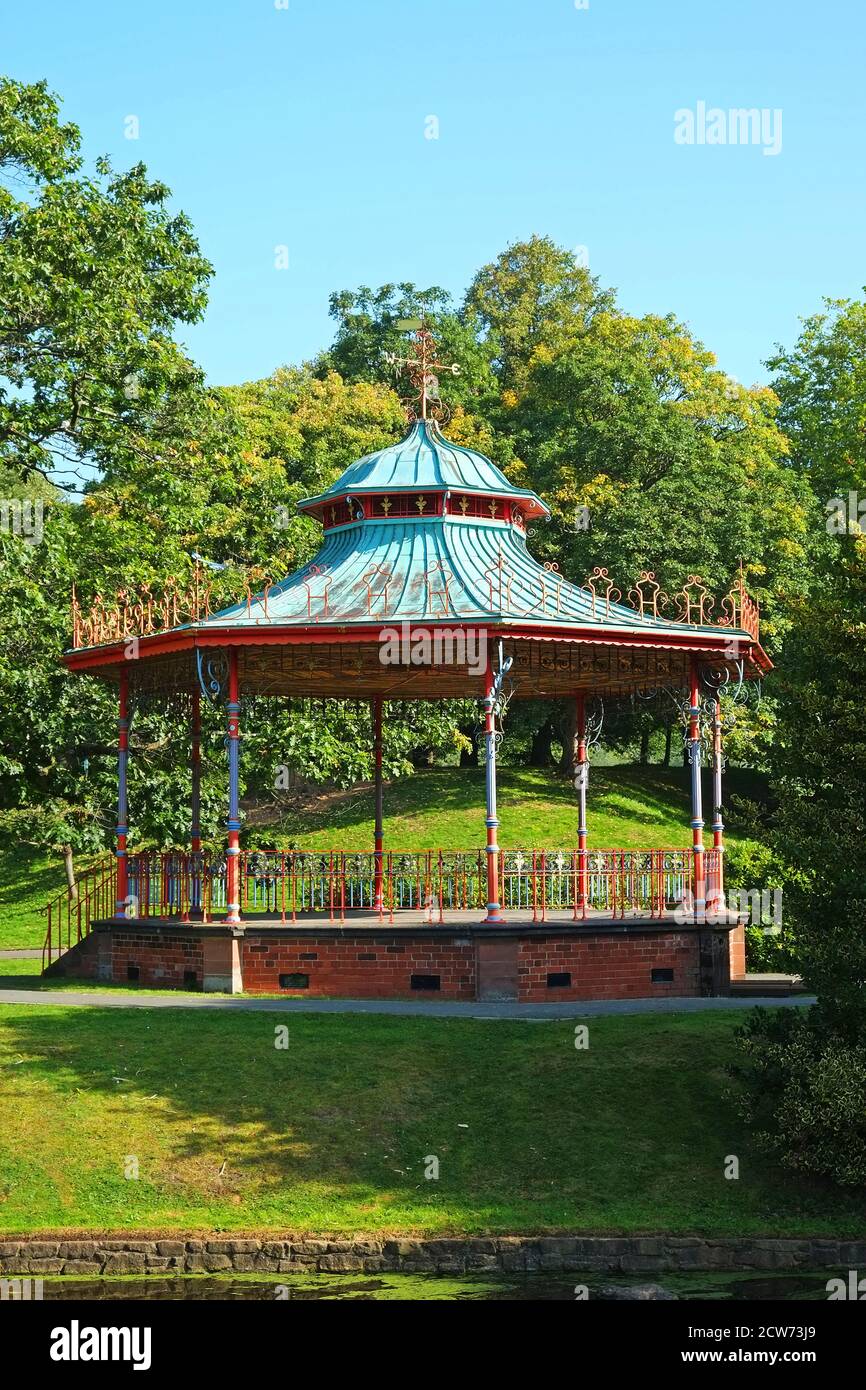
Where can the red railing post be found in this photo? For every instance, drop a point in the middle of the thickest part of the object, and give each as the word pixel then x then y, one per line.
pixel 441 888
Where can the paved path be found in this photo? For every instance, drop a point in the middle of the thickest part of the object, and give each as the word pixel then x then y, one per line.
pixel 20 955
pixel 529 1013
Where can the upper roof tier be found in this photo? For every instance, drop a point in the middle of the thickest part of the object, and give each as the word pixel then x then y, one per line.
pixel 426 461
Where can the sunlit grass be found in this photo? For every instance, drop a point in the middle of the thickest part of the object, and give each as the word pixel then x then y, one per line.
pixel 334 1133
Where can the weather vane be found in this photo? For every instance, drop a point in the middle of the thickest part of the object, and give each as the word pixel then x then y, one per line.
pixel 421 367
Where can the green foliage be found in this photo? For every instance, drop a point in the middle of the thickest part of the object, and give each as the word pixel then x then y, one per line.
pixel 804 1093
pixel 806 1079
pixel 821 386
pixel 527 301
pixel 95 272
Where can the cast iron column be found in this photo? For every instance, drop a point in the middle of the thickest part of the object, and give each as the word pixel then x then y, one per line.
pixel 195 806
pixel 694 746
pixel 494 910
pixel 581 776
pixel 233 824
pixel 122 828
pixel 378 827
pixel 718 823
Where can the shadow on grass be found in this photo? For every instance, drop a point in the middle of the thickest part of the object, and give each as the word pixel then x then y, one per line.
pixel 336 1130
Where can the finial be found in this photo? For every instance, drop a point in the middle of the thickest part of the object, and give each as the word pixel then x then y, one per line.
pixel 421 366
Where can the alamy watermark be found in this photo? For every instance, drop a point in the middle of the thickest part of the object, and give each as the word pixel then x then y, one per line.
pixel 409 645
pixel 846 516
pixel 761 906
pixel 854 1290
pixel 24 518
pixel 739 125
pixel 22 1290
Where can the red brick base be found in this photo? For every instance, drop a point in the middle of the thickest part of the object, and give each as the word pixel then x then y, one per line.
pixel 540 964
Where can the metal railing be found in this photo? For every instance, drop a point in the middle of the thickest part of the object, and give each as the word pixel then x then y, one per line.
pixel 72 912
pixel 294 883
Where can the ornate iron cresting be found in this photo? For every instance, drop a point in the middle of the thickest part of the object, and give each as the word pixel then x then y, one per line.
pixel 382 592
pixel 140 612
pixel 604 592
pixel 692 604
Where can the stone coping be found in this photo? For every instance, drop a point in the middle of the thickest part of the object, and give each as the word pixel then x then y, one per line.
pixel 371 927
pixel 221 1254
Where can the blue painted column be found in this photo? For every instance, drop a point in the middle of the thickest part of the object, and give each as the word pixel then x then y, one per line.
pixel 581 779
pixel 233 824
pixel 718 827
pixel 694 750
pixel 195 900
pixel 494 908
pixel 122 831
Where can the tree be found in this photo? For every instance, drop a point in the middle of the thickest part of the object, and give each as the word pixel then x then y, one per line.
pixel 528 299
pixel 95 274
pixel 805 1077
pixel 369 335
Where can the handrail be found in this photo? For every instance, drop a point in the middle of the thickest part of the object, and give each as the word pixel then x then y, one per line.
pixel 72 913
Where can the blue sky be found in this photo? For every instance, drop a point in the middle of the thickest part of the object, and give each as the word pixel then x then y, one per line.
pixel 304 127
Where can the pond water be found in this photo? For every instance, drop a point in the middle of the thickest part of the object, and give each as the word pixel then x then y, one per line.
pixel 515 1288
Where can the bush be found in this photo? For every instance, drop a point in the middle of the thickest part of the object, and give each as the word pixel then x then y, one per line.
pixel 804 1093
pixel 752 867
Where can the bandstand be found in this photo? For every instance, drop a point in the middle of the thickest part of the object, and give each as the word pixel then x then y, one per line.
pixel 424 588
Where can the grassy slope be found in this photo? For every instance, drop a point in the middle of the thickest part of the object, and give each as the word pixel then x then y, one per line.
pixel 28 879
pixel 332 1133
pixel 444 809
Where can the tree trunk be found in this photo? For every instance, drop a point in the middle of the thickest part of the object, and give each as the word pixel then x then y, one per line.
pixel 644 747
pixel 70 871
pixel 469 756
pixel 666 761
pixel 568 738
pixel 540 753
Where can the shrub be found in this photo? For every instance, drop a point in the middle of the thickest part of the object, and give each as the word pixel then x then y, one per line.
pixel 804 1093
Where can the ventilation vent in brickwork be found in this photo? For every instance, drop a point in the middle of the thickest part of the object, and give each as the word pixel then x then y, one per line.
pixel 425 982
pixel 132 972
pixel 559 979
pixel 663 977
pixel 294 982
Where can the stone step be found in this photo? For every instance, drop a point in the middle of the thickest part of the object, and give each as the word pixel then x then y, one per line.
pixel 768 984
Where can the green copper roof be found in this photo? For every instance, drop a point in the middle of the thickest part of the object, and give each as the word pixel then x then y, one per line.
pixel 434 567
pixel 425 461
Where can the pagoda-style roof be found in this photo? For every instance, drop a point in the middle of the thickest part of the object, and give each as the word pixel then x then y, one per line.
pixel 425 461
pixel 428 533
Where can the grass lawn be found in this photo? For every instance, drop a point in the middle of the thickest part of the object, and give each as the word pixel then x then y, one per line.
pixel 332 1134
pixel 443 808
